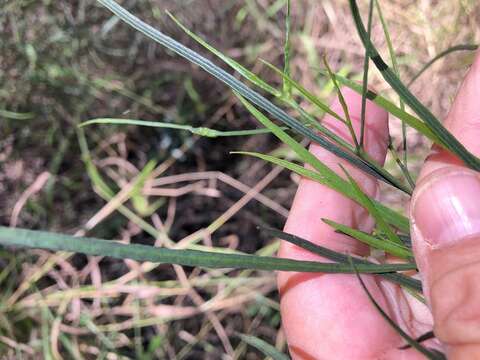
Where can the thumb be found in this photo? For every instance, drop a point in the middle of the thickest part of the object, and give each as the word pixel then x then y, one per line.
pixel 445 214
pixel 446 231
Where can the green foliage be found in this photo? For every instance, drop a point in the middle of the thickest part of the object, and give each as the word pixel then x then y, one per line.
pixel 392 228
pixel 445 137
pixel 386 245
pixel 264 347
pixel 429 353
pixel 213 260
pixel 201 131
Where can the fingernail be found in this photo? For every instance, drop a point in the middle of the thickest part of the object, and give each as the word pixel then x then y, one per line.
pixel 446 206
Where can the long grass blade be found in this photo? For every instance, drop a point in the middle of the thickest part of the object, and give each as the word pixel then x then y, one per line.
pixel 264 347
pixel 214 260
pixel 402 280
pixel 242 70
pixel 448 140
pixel 386 104
pixel 235 85
pixel 201 131
pixel 322 106
pixel 368 204
pixel 374 242
pixel 343 103
pixel 393 57
pixel 462 47
pixel 331 178
pixel 287 88
pixel 16 115
pixel 304 92
pixel 392 217
pixel 366 64
pixel 328 176
pixel 430 354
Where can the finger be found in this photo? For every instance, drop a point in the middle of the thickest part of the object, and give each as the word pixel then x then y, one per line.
pixel 445 216
pixel 329 316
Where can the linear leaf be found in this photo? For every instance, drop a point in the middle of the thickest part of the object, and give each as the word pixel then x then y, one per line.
pixel 304 92
pixel 201 131
pixel 393 57
pixel 402 280
pixel 366 64
pixel 368 204
pixel 341 99
pixel 330 177
pixel 235 85
pixel 16 115
pixel 242 70
pixel 298 148
pixel 206 259
pixel 430 354
pixel 392 217
pixel 381 244
pixel 462 47
pixel 287 89
pixel 264 347
pixel 386 104
pixel 450 142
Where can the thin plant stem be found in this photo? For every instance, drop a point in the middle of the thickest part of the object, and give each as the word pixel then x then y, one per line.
pixel 365 77
pixel 341 99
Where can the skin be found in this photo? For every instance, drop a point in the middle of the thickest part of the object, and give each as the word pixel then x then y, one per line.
pixel 328 316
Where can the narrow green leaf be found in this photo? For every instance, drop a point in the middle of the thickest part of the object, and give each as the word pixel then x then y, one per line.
pixel 236 85
pixel 314 122
pixel 16 115
pixel 304 92
pixel 368 204
pixel 358 149
pixel 287 88
pixel 341 99
pixel 299 149
pixel 393 57
pixel 447 139
pixel 263 85
pixel 330 178
pixel 366 64
pixel 247 74
pixel 463 47
pixel 433 355
pixel 214 260
pixel 381 244
pixel 403 280
pixel 264 347
pixel 338 184
pixel 381 101
pixel 201 131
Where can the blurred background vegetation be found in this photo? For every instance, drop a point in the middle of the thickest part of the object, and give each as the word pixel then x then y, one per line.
pixel 64 62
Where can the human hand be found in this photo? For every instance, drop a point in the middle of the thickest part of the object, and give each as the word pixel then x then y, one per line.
pixel 329 316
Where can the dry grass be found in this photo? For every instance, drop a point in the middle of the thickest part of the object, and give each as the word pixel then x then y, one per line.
pixel 64 306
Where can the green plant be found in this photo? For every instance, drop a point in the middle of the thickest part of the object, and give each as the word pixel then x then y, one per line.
pixel 393 228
